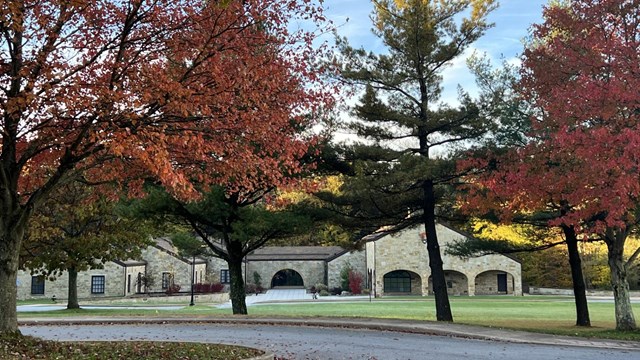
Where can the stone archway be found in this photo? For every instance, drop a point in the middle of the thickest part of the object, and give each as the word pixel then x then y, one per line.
pixel 457 283
pixel 402 282
pixel 493 282
pixel 287 278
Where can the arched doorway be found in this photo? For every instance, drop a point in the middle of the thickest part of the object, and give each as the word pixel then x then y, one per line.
pixel 494 282
pixel 457 283
pixel 402 282
pixel 287 277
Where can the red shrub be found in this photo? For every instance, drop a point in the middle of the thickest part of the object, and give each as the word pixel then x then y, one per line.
pixel 355 282
pixel 208 288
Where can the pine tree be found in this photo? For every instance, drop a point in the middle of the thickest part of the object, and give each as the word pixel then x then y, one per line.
pixel 404 169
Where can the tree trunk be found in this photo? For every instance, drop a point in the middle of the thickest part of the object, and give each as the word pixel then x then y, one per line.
pixel 579 288
pixel 72 302
pixel 237 293
pixel 624 313
pixel 443 308
pixel 9 252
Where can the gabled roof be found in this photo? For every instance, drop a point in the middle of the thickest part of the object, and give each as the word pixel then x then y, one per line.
pixel 273 253
pixel 378 235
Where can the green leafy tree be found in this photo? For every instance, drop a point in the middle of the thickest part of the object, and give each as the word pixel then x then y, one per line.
pixel 404 169
pixel 78 229
pixel 231 226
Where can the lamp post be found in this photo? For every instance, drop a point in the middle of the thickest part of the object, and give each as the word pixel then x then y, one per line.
pixel 193 275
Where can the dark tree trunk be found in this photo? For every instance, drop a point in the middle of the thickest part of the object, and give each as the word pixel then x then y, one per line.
pixel 579 288
pixel 443 308
pixel 625 319
pixel 72 302
pixel 9 252
pixel 237 293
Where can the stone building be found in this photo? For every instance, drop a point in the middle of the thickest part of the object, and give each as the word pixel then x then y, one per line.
pixel 301 266
pixel 159 261
pixel 399 265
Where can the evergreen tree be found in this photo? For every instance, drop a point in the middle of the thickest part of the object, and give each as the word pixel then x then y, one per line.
pixel 404 167
pixel 231 225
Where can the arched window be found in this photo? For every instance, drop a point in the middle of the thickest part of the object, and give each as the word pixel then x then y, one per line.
pixel 397 281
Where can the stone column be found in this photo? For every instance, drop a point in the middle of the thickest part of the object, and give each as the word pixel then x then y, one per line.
pixel 471 284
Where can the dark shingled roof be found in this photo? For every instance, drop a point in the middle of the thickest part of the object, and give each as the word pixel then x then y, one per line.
pixel 295 253
pixel 130 262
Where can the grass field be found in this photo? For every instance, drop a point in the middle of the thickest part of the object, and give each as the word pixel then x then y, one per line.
pixel 547 314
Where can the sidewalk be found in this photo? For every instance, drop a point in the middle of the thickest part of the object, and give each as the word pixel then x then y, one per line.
pixel 417 327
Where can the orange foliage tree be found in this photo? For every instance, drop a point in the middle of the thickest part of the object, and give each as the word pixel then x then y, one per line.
pixel 164 89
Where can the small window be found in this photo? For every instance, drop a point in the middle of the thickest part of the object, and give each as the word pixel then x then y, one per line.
pixel 97 284
pixel 167 280
pixel 37 285
pixel 224 276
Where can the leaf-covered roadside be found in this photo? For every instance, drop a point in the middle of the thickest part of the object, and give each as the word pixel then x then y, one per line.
pixel 27 347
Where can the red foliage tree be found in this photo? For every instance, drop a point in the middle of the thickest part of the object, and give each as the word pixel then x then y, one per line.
pixel 355 282
pixel 582 73
pixel 163 89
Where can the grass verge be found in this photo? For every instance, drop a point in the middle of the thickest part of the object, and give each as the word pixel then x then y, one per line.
pixel 25 347
pixel 544 314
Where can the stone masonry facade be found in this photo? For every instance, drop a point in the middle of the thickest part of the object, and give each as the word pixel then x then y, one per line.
pixel 114 284
pixel 356 260
pixel 474 276
pixel 118 279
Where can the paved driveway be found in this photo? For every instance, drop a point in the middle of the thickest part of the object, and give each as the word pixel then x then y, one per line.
pixel 290 342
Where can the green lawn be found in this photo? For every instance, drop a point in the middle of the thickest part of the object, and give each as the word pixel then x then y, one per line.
pixel 533 313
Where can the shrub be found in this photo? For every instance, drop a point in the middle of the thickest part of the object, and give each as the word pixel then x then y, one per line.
pixel 344 276
pixel 208 288
pixel 250 288
pixel 319 287
pixel 172 289
pixel 355 282
pixel 324 293
pixel 257 279
pixel 366 291
pixel 336 291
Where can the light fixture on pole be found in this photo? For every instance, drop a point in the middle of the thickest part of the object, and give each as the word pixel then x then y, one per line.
pixel 193 275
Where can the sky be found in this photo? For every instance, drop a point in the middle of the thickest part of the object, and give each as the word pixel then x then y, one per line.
pixel 512 19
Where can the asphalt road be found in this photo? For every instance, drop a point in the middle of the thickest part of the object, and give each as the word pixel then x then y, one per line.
pixel 326 343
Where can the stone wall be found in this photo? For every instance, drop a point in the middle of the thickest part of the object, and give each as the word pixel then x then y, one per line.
pixel 356 260
pixel 569 292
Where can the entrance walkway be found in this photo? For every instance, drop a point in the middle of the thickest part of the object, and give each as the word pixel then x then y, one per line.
pixel 273 295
